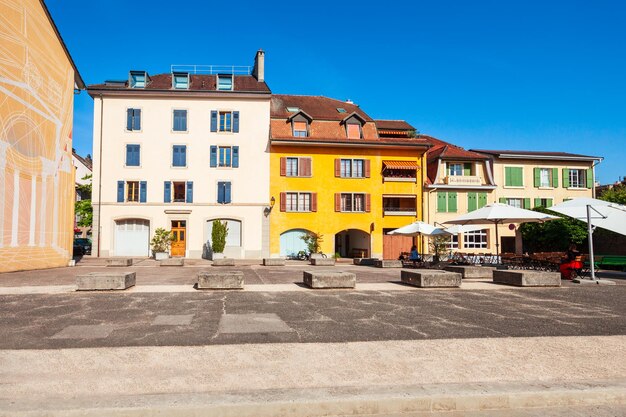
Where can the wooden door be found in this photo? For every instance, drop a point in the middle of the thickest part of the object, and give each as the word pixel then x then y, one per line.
pixel 179 231
pixel 393 245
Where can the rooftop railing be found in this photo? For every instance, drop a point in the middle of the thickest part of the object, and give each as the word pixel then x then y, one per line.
pixel 212 69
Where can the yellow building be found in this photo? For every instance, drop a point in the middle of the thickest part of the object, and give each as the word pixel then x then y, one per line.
pixel 37 82
pixel 337 172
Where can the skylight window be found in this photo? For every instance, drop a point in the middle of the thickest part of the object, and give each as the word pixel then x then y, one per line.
pixel 293 109
pixel 180 80
pixel 138 79
pixel 341 110
pixel 225 82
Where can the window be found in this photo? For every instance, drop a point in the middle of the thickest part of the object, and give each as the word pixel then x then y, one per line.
pixel 475 239
pixel 225 82
pixel 295 167
pixel 352 202
pixel 179 155
pixel 138 79
pixel 446 202
pixel 132 191
pixel 181 191
pixel 132 155
pixel 544 177
pixel 224 192
pixel 455 169
pixel 515 202
pixel 298 202
pixel 543 202
pixel 226 119
pixel 133 119
pixel 292 167
pixel 300 129
pixel 452 242
pixel 353 131
pixel 341 110
pixel 352 168
pixel 577 178
pixel 293 109
pixel 180 80
pixel 513 176
pixel 180 121
pixel 476 200
pixel 224 156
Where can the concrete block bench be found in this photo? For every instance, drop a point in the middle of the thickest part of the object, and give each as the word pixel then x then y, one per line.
pixel 329 279
pixel 223 280
pixel 172 262
pixel 472 272
pixel 323 261
pixel 224 262
pixel 526 278
pixel 95 281
pixel 364 261
pixel 273 261
pixel 388 263
pixel 120 262
pixel 431 278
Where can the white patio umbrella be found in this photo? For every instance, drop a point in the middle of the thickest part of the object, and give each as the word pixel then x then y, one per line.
pixel 597 213
pixel 418 228
pixel 498 213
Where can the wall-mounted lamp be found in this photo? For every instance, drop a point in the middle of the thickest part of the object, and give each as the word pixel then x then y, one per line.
pixel 272 202
pixel 268 210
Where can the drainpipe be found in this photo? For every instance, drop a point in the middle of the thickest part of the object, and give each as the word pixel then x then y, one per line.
pixel 100 174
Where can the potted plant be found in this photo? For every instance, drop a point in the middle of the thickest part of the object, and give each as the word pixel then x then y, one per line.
pixel 160 243
pixel 218 239
pixel 439 246
pixel 313 242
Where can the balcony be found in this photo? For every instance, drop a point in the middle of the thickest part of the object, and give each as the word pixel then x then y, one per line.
pixel 400 171
pixel 471 180
pixel 400 206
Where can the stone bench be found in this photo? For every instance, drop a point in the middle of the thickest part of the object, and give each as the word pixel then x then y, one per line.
pixel 323 261
pixel 388 263
pixel 94 281
pixel 223 280
pixel 430 278
pixel 329 279
pixel 120 262
pixel 526 278
pixel 364 261
pixel 224 262
pixel 273 261
pixel 172 262
pixel 472 272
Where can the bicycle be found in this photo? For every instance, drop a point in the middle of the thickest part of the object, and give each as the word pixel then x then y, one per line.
pixel 305 256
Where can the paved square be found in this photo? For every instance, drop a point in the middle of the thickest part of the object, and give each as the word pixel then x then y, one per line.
pixel 89 331
pixel 173 320
pixel 252 323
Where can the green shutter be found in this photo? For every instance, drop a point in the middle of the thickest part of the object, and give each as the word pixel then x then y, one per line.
pixel 565 178
pixel 589 178
pixel 537 174
pixel 482 200
pixel 467 169
pixel 555 177
pixel 442 200
pixel 502 200
pixel 548 202
pixel 527 203
pixel 507 176
pixel 537 202
pixel 452 202
pixel 518 177
pixel 471 201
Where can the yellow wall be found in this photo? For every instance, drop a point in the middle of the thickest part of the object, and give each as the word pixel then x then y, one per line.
pixel 36 173
pixel 323 182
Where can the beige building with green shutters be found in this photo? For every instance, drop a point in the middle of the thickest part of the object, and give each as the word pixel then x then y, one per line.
pixel 529 179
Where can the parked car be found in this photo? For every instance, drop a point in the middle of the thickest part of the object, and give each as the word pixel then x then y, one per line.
pixel 83 243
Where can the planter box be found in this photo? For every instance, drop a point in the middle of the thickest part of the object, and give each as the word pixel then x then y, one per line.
pixel 224 262
pixel 364 261
pixel 173 262
pixel 273 262
pixel 329 279
pixel 472 272
pixel 323 261
pixel 159 256
pixel 431 278
pixel 120 262
pixel 224 280
pixel 94 281
pixel 527 278
pixel 388 263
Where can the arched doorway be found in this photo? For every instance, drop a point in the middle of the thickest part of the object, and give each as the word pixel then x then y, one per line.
pixel 291 242
pixel 233 248
pixel 132 237
pixel 353 243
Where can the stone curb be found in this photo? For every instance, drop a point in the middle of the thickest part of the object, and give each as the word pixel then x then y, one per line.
pixel 441 399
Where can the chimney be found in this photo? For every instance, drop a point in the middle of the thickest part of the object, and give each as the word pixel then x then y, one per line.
pixel 348 101
pixel 259 66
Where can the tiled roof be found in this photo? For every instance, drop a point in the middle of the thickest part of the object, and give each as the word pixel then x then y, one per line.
pixel 318 107
pixel 198 82
pixel 445 150
pixel 365 142
pixel 87 162
pixel 393 125
pixel 535 154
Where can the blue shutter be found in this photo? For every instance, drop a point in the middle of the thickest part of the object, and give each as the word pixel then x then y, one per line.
pixel 143 186
pixel 220 192
pixel 129 119
pixel 227 192
pixel 235 156
pixel 137 121
pixel 120 191
pixel 183 155
pixel 175 156
pixel 167 192
pixel 213 161
pixel 189 191
pixel 129 155
pixel 227 158
pixel 213 120
pixel 236 121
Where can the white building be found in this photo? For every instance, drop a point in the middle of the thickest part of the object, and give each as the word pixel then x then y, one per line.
pixel 178 151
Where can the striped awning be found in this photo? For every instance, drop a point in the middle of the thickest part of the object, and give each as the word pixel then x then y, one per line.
pixel 412 165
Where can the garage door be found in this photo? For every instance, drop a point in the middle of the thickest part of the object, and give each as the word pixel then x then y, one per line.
pixel 291 243
pixel 132 237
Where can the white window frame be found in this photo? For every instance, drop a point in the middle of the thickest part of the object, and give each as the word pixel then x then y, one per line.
pixel 455 165
pixel 352 167
pixel 291 173
pixel 179 74
pixel 453 242
pixel 302 201
pixel 470 241
pixel 232 82
pixel 515 200
pixel 548 171
pixel 352 201
pixel 581 178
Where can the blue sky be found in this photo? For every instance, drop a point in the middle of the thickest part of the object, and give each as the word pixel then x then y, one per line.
pixel 529 75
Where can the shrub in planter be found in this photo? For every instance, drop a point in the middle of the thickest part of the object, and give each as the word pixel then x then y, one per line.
pixel 161 243
pixel 218 236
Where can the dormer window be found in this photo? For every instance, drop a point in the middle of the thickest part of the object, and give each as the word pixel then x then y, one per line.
pixel 138 79
pixel 225 82
pixel 300 129
pixel 459 169
pixel 353 130
pixel 293 109
pixel 354 123
pixel 180 81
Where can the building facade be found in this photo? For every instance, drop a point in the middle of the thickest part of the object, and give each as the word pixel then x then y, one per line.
pixel 37 83
pixel 83 168
pixel 179 151
pixel 333 174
